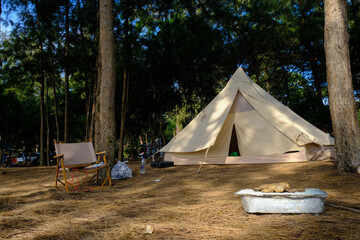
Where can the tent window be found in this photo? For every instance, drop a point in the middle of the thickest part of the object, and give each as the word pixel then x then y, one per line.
pixel 234 147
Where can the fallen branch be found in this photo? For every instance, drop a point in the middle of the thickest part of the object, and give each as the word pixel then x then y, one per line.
pixel 343 207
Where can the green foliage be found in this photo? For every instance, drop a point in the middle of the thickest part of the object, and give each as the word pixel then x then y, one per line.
pixel 171 126
pixel 182 54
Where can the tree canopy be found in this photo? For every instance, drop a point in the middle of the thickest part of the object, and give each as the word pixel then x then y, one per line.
pixel 178 55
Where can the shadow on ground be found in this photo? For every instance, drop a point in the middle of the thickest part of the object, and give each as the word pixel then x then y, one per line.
pixel 183 205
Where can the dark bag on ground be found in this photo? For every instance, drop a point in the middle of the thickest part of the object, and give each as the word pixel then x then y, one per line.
pixel 162 164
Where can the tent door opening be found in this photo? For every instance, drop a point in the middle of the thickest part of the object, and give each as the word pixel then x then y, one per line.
pixel 234 147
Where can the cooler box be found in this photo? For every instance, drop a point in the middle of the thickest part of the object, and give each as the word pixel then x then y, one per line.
pixel 162 164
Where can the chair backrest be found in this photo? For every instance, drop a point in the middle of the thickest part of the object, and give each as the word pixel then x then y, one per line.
pixel 76 153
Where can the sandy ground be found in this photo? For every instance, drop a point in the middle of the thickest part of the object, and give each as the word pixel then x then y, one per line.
pixel 183 205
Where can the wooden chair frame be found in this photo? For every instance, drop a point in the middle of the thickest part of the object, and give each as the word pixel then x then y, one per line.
pixel 80 168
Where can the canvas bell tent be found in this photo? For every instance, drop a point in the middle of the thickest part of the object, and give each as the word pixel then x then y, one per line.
pixel 246 122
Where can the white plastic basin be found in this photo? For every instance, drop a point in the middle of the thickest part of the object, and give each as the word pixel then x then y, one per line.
pixel 310 201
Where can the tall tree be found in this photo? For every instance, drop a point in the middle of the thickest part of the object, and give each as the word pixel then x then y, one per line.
pixel 42 82
pixel 108 79
pixel 125 87
pixel 47 125
pixel 341 92
pixel 66 111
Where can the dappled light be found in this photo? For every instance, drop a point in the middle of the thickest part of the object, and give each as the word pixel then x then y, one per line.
pixel 249 92
pixel 202 131
pixel 264 129
pixel 183 205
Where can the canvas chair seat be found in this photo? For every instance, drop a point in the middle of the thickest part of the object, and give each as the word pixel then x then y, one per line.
pixel 77 157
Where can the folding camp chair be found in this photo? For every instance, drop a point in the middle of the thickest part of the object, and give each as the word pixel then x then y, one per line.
pixel 77 158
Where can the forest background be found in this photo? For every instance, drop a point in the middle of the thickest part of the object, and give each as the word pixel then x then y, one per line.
pixel 175 55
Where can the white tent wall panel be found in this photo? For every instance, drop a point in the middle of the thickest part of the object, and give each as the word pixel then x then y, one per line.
pixel 209 122
pixel 190 159
pixel 258 137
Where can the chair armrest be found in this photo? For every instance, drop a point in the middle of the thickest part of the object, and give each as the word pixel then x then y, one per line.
pixel 59 156
pixel 100 153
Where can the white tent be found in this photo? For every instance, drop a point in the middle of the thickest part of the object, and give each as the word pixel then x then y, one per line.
pixel 245 119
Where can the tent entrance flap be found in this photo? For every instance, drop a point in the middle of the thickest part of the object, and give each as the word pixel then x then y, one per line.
pixel 234 146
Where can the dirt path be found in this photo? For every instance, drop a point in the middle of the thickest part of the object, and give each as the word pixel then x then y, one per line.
pixel 183 205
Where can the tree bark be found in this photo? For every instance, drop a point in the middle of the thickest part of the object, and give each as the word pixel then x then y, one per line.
pixel 132 147
pixel 178 128
pixel 152 130
pixel 341 93
pixel 55 106
pixel 53 84
pixel 108 79
pixel 125 87
pixel 123 112
pixel 161 130
pixel 47 126
pixel 66 111
pixel 52 75
pixel 93 109
pixel 1 156
pixel 96 105
pixel 42 76
pixel 88 107
pixel 42 159
pixel 317 80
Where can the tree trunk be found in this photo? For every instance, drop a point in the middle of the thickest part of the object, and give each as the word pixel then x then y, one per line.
pixel 125 87
pixel 318 89
pixel 131 141
pixel 317 80
pixel 47 126
pixel 93 109
pixel 88 107
pixel 178 128
pixel 42 76
pixel 55 106
pixel 152 130
pixel 66 111
pixel 94 83
pixel 1 156
pixel 161 130
pixel 96 105
pixel 341 93
pixel 123 112
pixel 108 79
pixel 52 76
pixel 42 159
